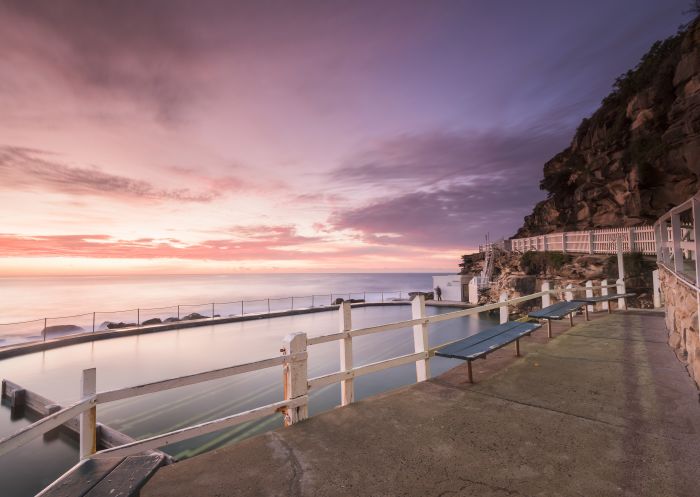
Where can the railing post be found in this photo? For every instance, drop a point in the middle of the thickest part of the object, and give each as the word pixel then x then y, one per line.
pixel 620 258
pixel 590 242
pixel 657 288
pixel 420 337
pixel 563 242
pixel 242 308
pixel 503 310
pixel 313 301
pixel 178 312
pixel 677 252
pixel 569 294
pixel 296 383
pixel 88 419
pixel 268 306
pixel 630 235
pixel 138 318
pixel 696 238
pixel 347 387
pixel 212 310
pixel 546 299
pixel 604 291
pixel 93 322
pixel 621 303
pixel 589 293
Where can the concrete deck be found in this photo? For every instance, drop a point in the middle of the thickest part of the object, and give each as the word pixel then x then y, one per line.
pixel 604 408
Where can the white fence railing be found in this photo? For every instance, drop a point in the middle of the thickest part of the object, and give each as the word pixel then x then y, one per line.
pixel 604 241
pixel 297 385
pixel 678 232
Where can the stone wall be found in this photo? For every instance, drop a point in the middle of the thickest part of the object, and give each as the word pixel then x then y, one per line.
pixel 682 321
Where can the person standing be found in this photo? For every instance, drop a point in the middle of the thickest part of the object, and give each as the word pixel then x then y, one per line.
pixel 438 292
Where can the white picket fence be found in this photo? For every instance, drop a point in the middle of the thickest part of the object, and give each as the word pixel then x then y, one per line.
pixel 604 241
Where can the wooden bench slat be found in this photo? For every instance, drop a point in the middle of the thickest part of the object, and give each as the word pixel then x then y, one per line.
pixel 486 342
pixel 82 478
pixel 604 298
pixel 128 477
pixel 557 311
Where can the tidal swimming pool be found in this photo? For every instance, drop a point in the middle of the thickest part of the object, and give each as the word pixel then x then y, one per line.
pixel 127 361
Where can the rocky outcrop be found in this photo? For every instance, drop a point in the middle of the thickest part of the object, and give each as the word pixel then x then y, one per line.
pixel 682 321
pixel 638 155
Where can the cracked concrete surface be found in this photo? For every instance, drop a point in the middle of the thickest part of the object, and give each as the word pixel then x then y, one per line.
pixel 604 408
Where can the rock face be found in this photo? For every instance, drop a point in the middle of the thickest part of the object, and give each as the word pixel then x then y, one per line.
pixel 682 321
pixel 638 155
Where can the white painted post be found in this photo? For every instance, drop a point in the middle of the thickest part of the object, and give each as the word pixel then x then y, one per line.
pixel 295 377
pixel 88 419
pixel 347 388
pixel 677 252
pixel 657 288
pixel 473 291
pixel 569 295
pixel 420 337
pixel 605 305
pixel 620 259
pixel 630 235
pixel 547 298
pixel 589 293
pixel 563 242
pixel 621 304
pixel 503 309
pixel 590 242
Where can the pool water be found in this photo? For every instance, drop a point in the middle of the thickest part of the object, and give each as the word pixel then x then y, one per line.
pixel 127 361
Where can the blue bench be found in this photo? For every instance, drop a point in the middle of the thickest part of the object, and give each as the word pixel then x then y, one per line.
pixel 603 298
pixel 480 345
pixel 557 311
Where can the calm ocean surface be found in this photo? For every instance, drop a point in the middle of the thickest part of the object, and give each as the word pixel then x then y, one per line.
pixel 23 299
pixel 128 361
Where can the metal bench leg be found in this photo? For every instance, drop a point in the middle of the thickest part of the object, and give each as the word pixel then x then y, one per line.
pixel 571 318
pixel 585 311
pixel 549 328
pixel 469 371
pixel 609 307
pixel 517 348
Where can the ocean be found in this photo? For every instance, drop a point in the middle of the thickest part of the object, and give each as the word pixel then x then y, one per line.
pixel 132 360
pixel 29 298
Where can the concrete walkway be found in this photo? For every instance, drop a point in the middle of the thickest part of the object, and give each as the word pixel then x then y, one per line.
pixel 604 408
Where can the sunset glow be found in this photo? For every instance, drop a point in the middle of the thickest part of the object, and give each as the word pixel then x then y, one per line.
pixel 186 137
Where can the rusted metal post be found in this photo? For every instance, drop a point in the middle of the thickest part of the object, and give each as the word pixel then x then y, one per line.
pixel 93 322
pixel 517 348
pixel 268 306
pixel 347 387
pixel 469 371
pixel 88 419
pixel 295 377
pixel 178 313
pixel 138 318
pixel 549 328
pixel 212 310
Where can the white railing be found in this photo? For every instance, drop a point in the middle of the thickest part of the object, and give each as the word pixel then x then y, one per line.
pixel 603 241
pixel 297 385
pixel 678 232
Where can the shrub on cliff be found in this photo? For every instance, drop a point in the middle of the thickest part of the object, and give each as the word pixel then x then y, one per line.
pixel 534 263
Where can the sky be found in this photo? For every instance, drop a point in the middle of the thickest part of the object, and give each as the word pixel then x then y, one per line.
pixel 265 136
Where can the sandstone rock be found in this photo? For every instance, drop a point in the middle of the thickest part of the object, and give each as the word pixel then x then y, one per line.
pixel 637 156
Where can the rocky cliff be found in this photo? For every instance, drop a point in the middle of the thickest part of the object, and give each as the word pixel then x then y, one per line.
pixel 638 155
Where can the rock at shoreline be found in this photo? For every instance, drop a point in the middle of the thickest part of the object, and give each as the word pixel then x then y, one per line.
pixel 340 300
pixel 62 329
pixel 171 320
pixel 194 315
pixel 152 321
